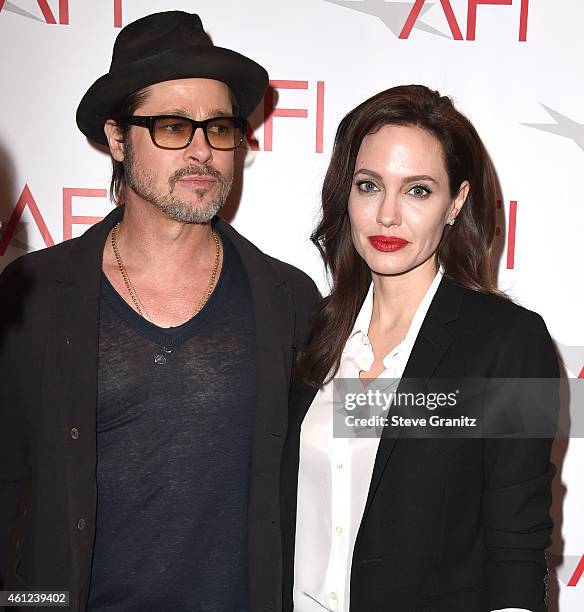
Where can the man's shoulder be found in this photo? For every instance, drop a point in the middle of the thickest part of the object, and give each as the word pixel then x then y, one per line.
pixel 295 277
pixel 297 280
pixel 42 263
pixel 47 263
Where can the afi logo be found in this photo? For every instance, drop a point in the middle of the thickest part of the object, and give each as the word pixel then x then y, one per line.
pixel 49 16
pixel 271 111
pixel 402 17
pixel 63 11
pixel 27 200
pixel 511 231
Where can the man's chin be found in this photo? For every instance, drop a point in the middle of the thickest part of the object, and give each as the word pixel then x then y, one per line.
pixel 190 213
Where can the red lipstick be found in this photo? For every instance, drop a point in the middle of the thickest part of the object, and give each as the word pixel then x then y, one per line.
pixel 387 244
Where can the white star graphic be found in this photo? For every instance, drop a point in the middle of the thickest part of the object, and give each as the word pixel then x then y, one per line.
pixel 393 14
pixel 563 126
pixel 563 566
pixel 12 8
pixel 572 357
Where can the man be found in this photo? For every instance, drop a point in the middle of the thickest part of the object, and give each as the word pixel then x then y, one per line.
pixel 145 367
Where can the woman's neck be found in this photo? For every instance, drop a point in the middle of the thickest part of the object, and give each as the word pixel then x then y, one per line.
pixel 396 297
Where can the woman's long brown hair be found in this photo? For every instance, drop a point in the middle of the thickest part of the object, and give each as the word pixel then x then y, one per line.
pixel 465 248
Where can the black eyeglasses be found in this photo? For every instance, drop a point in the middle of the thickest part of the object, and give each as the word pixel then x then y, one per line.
pixel 175 132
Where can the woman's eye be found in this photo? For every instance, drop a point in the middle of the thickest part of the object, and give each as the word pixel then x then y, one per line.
pixel 367 186
pixel 420 191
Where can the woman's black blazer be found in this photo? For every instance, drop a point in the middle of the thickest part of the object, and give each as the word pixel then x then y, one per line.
pixel 450 525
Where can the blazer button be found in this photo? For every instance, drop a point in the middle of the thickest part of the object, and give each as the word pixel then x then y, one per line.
pixel 81 524
pixel 74 433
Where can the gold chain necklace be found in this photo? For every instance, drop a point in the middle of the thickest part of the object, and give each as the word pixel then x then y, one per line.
pixel 132 291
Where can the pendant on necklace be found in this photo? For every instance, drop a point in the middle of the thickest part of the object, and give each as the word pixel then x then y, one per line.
pixel 160 359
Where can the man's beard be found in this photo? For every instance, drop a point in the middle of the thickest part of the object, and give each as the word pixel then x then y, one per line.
pixel 142 183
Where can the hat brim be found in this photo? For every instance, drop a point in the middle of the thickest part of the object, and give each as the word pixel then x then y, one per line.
pixel 247 80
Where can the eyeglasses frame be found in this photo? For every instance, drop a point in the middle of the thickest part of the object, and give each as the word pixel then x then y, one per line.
pixel 148 122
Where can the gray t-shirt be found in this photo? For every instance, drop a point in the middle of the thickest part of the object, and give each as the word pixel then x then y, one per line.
pixel 175 418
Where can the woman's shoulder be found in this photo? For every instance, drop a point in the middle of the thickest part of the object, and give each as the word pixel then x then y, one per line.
pixel 497 310
pixel 517 336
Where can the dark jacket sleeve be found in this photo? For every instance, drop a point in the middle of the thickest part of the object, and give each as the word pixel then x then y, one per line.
pixel 14 285
pixel 518 474
pixel 306 297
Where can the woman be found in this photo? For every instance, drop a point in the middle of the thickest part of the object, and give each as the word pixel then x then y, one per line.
pixel 400 524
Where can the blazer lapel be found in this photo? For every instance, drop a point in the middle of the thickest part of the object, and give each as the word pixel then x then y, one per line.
pixel 431 345
pixel 274 318
pixel 70 375
pixel 75 334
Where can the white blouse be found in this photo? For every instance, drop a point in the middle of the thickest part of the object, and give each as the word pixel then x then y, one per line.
pixel 334 474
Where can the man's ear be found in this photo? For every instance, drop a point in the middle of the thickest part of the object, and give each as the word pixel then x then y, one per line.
pixel 115 139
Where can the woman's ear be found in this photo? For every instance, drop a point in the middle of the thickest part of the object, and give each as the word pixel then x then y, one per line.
pixel 459 200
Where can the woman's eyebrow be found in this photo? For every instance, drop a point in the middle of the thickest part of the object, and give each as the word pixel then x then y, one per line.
pixel 407 179
pixel 368 173
pixel 420 177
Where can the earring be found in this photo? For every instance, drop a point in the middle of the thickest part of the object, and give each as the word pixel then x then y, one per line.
pixel 451 221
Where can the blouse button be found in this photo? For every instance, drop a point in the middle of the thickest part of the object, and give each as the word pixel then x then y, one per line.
pixel 363 363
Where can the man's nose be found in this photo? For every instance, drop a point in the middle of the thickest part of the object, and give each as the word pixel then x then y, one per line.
pixel 199 149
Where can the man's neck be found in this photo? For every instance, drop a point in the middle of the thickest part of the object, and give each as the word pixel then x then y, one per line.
pixel 153 241
pixel 168 264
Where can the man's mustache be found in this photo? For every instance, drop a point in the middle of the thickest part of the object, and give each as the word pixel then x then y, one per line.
pixel 196 171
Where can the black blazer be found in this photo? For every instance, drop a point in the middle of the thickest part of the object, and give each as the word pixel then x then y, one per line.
pixel 48 390
pixel 450 525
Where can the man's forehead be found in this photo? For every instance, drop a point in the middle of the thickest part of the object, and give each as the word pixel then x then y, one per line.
pixel 190 88
pixel 188 95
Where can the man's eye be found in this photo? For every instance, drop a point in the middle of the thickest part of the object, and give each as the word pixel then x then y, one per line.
pixel 420 191
pixel 172 126
pixel 367 186
pixel 175 127
pixel 218 129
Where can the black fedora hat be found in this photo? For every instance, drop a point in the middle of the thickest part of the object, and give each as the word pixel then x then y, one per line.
pixel 163 47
